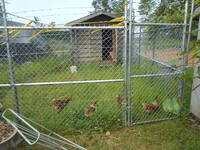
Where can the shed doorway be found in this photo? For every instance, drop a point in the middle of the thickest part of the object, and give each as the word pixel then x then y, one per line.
pixel 107 43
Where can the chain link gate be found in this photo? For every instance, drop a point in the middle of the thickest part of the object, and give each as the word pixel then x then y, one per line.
pixel 153 73
pixel 154 69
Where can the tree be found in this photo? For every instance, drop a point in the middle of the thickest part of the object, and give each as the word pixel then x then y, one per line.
pixel 146 8
pixel 101 5
pixel 112 6
pixel 118 7
pixel 163 11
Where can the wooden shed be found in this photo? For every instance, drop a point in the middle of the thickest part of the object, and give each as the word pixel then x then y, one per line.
pixel 95 44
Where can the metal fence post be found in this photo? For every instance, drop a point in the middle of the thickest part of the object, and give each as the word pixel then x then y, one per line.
pixel 189 33
pixel 130 62
pixel 11 69
pixel 182 81
pixel 125 65
pixel 153 49
pixel 139 52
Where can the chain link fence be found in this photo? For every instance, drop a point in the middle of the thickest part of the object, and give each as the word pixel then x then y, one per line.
pixel 68 78
pixel 92 76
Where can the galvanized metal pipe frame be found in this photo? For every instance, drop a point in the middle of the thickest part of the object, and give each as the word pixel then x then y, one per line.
pixel 124 117
pixel 92 27
pixel 158 24
pixel 156 75
pixel 61 83
pixel 153 48
pixel 161 63
pixel 11 69
pixel 131 28
pixel 177 73
pixel 184 30
pixel 28 131
pixel 184 58
pixel 162 29
pixel 189 31
pixel 25 122
pixel 139 51
pixel 64 27
pixel 154 121
pixel 89 81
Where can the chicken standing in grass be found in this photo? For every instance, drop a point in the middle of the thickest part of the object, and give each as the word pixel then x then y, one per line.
pixel 60 104
pixel 151 108
pixel 89 111
pixel 120 100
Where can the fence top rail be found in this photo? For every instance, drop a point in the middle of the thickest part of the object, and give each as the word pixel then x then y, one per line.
pixel 65 27
pixel 94 27
pixel 158 24
pixel 61 83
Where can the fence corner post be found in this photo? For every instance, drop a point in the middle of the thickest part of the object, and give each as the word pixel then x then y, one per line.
pixel 11 69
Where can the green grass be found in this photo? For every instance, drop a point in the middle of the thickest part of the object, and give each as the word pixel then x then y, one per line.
pixel 36 101
pixel 59 44
pixel 169 135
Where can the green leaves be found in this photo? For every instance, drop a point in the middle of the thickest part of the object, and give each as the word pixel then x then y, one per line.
pixel 197 2
pixel 116 7
pixel 172 106
pixel 101 5
pixel 162 11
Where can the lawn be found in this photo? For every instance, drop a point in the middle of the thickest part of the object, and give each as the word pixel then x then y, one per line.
pixel 36 104
pixel 180 134
pixel 36 101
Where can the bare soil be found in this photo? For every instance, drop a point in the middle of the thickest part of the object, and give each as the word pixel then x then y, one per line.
pixel 167 56
pixel 6 130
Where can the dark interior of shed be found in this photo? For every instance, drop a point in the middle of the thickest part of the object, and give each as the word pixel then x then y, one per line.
pixel 107 43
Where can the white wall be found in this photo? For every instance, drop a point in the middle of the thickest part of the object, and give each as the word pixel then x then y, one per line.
pixel 195 101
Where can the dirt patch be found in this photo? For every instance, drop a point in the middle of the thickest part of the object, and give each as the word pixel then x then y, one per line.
pixel 6 130
pixel 194 122
pixel 168 57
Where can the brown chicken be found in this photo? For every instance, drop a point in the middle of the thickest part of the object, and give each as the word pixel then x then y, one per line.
pixel 91 109
pixel 151 108
pixel 120 100
pixel 60 104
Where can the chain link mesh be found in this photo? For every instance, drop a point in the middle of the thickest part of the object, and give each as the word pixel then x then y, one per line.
pixel 155 70
pixel 66 55
pixel 73 78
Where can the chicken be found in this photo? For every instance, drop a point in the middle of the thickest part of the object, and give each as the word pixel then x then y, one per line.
pixel 60 104
pixel 151 108
pixel 120 100
pixel 91 109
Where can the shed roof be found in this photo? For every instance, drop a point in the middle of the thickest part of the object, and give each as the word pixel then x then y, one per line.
pixel 98 16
